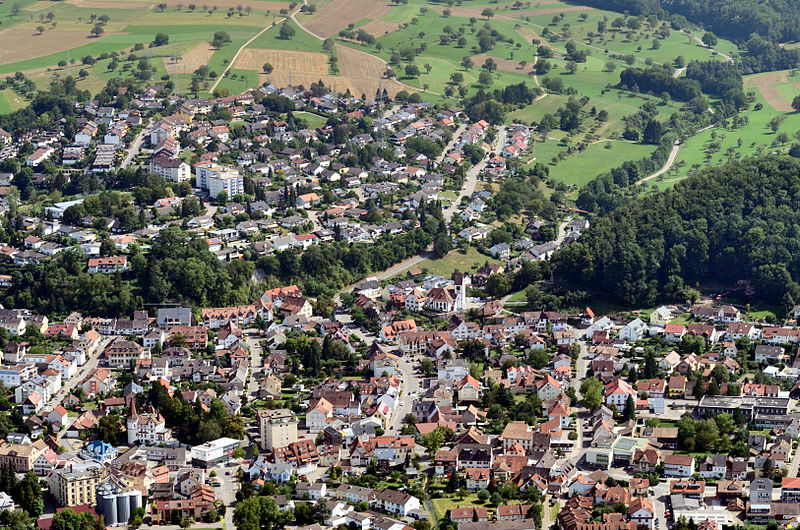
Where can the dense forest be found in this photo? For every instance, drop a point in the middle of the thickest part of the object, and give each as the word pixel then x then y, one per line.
pixel 737 225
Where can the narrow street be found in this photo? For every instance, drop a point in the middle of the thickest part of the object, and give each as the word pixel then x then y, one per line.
pixel 136 146
pixel 449 147
pixel 471 182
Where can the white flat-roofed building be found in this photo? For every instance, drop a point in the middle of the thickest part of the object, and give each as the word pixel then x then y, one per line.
pixel 214 452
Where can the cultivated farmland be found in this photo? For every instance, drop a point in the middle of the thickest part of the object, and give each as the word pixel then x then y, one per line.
pixel 336 16
pixel 283 61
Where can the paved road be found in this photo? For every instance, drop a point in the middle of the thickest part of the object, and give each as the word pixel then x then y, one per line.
pixel 471 182
pixel 251 339
pixel 136 146
pixel 449 147
pixel 666 167
pixel 582 365
pixel 670 160
pixel 88 367
pixel 410 386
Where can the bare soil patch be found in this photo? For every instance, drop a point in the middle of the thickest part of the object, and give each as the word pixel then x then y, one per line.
pixel 336 15
pixel 283 61
pixel 191 60
pixel 21 44
pixel 379 28
pixel 507 65
pixel 765 83
pixel 257 5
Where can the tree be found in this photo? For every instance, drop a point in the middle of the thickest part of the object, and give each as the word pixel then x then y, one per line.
pixel 572 67
pixel 97 30
pixel 222 197
pixel 485 78
pixel 109 429
pixel 591 393
pixel 221 38
pixel 456 78
pixel 489 65
pixel 488 13
pixel 267 68
pixel 412 70
pixel 709 39
pixel 796 103
pixel 483 495
pixel 161 39
pixel 536 513
pixel 466 62
pixel 255 513
pixel 630 409
pixel 286 32
pixel 498 285
pixel 40 29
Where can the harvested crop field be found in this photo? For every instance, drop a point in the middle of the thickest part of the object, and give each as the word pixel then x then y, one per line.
pixel 552 11
pixel 765 83
pixel 507 65
pixel 21 44
pixel 378 28
pixel 283 61
pixel 191 60
pixel 336 16
pixel 257 5
pixel 359 72
pixel 109 4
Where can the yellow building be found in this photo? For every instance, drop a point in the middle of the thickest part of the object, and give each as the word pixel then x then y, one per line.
pixel 75 484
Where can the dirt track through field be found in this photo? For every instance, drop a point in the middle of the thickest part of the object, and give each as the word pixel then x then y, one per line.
pixel 765 83
pixel 338 14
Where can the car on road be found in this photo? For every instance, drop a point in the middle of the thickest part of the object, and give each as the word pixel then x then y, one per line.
pixel 402 403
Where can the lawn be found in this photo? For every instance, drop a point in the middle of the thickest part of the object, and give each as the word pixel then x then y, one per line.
pixel 443 504
pixel 456 260
pixel 314 120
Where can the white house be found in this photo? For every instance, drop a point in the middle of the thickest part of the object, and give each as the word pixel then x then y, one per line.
pixel 633 330
pixel 678 466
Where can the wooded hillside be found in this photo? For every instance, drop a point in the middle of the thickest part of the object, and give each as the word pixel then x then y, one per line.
pixel 737 225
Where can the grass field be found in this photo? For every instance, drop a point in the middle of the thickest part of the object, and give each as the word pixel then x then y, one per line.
pixel 314 120
pixel 577 170
pixel 716 146
pixel 456 261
